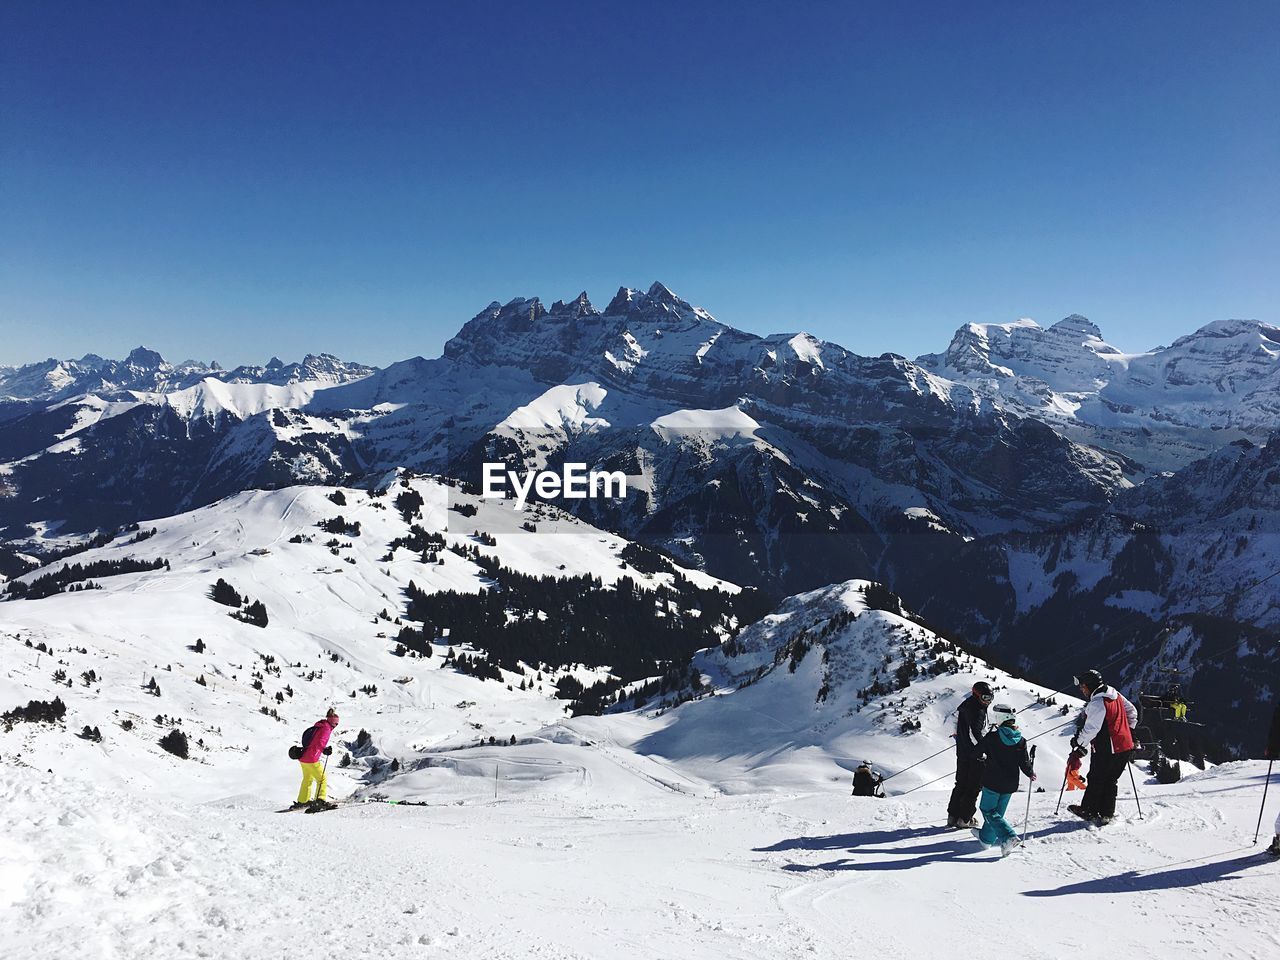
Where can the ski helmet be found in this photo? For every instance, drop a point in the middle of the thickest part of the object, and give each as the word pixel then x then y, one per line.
pixel 982 690
pixel 1090 678
pixel 1004 715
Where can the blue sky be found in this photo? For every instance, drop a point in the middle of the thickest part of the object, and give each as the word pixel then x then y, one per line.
pixel 231 181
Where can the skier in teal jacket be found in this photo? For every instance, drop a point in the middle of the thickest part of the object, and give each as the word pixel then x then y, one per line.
pixel 1006 755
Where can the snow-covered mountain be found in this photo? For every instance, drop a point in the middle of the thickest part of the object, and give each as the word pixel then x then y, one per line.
pixel 730 435
pixel 1162 407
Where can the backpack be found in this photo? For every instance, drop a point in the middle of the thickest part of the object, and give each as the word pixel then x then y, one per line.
pixel 295 752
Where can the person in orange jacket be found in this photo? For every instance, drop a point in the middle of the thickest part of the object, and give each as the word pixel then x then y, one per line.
pixel 1074 780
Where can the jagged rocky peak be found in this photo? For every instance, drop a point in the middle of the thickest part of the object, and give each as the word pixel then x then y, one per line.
pixel 657 303
pixel 523 331
pixel 516 314
pixel 326 366
pixel 144 358
pixel 579 306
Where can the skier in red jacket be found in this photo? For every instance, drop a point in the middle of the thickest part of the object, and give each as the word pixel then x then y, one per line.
pixel 315 744
pixel 1109 720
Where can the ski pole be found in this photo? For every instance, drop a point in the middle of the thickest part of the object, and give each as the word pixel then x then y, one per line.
pixel 1027 819
pixel 1129 764
pixel 1265 788
pixel 1062 789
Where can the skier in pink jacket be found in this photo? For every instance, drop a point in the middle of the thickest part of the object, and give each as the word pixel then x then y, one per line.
pixel 315 744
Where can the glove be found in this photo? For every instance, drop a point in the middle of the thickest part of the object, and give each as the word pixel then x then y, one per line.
pixel 1075 744
pixel 328 751
pixel 1080 753
pixel 1033 778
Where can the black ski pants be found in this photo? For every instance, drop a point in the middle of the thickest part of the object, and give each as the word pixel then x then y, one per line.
pixel 964 796
pixel 1105 771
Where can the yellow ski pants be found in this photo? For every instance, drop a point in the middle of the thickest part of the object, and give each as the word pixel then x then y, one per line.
pixel 311 773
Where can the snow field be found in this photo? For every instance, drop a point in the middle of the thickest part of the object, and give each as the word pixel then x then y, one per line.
pixel 622 867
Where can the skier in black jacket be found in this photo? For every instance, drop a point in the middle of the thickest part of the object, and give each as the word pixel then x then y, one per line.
pixel 971 727
pixel 866 783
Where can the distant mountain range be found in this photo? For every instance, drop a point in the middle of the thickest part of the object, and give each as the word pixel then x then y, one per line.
pixel 145 371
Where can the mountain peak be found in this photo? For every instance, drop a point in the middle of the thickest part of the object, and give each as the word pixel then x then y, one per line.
pixel 577 307
pixel 1078 324
pixel 1235 328
pixel 145 358
pixel 621 302
pixel 658 302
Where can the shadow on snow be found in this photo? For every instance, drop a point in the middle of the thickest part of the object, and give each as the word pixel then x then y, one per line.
pixel 952 848
pixel 1136 881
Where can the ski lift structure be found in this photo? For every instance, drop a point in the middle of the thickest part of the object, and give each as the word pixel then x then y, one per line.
pixel 1165 729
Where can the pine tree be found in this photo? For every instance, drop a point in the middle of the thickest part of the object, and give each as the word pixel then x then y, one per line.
pixel 175 741
pixel 222 592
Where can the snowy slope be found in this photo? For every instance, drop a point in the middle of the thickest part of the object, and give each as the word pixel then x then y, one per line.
pixel 795 704
pixel 719 828
pixel 321 600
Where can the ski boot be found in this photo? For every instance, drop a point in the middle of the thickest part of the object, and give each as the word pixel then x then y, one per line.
pixel 319 806
pixel 1274 849
pixel 977 835
pixel 1087 816
pixel 1010 845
